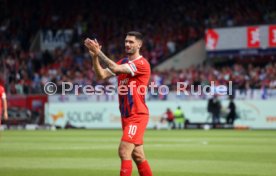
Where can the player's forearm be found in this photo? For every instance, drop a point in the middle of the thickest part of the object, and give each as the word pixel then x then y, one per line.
pixel 110 64
pixel 5 105
pixel 98 69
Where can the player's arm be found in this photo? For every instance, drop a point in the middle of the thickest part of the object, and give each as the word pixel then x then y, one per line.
pixel 5 106
pixel 101 73
pixel 115 68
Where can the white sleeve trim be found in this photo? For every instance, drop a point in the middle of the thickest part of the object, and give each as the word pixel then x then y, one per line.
pixel 4 96
pixel 110 71
pixel 132 66
pixel 131 71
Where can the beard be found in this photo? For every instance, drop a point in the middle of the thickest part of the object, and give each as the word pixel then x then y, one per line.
pixel 130 52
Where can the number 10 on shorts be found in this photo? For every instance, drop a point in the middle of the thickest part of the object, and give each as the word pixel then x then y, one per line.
pixel 132 130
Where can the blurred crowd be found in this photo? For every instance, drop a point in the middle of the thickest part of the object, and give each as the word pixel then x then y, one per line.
pixel 68 69
pixel 243 77
pixel 168 27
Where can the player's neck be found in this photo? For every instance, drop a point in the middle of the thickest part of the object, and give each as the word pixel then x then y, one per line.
pixel 133 56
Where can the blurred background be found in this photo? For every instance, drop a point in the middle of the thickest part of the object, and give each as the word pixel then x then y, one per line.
pixel 193 42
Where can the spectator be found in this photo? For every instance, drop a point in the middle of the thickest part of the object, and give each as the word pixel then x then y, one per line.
pixel 5 105
pixel 179 118
pixel 232 111
pixel 169 117
pixel 214 107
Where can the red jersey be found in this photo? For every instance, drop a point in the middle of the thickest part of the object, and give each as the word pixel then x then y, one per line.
pixel 2 96
pixel 134 101
pixel 170 115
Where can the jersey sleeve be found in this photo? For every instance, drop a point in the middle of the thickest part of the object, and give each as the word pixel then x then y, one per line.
pixel 111 72
pixel 2 93
pixel 119 62
pixel 139 67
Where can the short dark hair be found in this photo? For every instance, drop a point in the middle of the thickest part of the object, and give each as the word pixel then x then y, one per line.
pixel 136 34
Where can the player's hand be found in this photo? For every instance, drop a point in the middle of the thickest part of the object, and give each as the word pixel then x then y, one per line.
pixel 5 115
pixel 93 46
pixel 93 55
pixel 87 43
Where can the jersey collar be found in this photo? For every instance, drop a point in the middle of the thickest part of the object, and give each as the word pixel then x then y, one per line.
pixel 139 57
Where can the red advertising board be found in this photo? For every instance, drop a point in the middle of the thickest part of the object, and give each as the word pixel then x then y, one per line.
pixel 211 39
pixel 31 102
pixel 253 37
pixel 272 36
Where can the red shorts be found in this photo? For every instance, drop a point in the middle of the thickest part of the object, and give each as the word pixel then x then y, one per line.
pixel 134 128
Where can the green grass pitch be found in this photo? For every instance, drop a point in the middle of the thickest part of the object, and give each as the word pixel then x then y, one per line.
pixel 170 153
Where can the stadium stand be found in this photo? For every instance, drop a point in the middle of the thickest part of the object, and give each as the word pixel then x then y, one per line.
pixel 169 27
pixel 25 71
